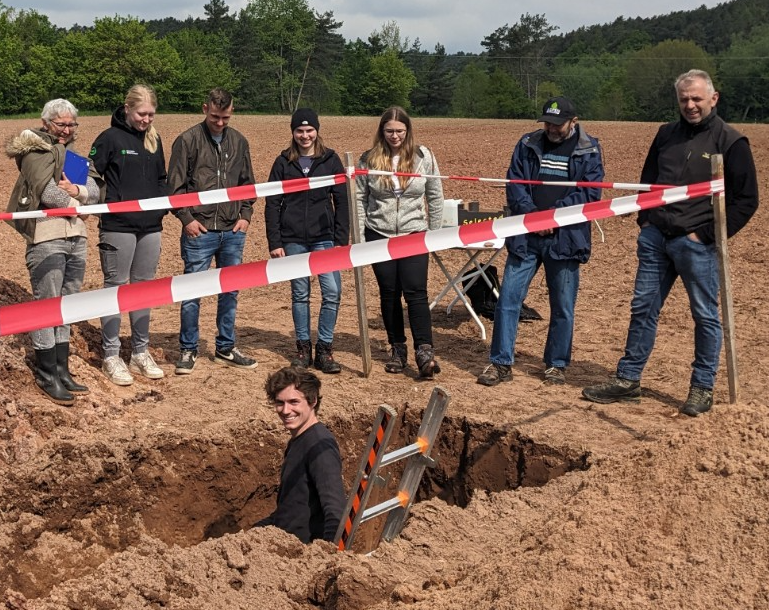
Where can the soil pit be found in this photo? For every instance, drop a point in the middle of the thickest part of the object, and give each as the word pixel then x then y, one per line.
pixel 92 501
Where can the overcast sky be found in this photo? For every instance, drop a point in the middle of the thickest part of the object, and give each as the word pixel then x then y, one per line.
pixel 457 25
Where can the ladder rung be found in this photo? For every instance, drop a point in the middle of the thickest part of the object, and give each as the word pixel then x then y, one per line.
pixel 418 446
pixel 400 500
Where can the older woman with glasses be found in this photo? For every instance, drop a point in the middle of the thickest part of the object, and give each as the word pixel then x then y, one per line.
pixel 56 245
pixel 389 206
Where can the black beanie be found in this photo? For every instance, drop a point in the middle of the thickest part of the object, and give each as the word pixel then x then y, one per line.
pixel 305 117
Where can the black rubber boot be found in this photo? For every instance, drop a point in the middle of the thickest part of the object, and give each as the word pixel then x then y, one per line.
pixel 324 359
pixel 303 356
pixel 47 378
pixel 426 361
pixel 62 367
pixel 398 358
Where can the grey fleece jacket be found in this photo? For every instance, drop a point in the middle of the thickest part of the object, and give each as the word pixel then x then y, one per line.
pixel 419 207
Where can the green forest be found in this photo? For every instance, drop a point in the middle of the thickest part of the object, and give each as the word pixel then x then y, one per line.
pixel 277 55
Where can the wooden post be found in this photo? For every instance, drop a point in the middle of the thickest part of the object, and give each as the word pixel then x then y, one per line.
pixel 360 286
pixel 727 306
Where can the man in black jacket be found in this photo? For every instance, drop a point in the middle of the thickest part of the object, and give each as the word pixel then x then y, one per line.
pixel 211 156
pixel 678 240
pixel 311 498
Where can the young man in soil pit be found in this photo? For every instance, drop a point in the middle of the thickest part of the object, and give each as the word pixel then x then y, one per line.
pixel 311 498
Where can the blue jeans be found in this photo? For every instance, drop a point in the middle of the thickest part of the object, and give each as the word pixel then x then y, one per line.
pixel 660 262
pixel 331 296
pixel 226 248
pixel 562 277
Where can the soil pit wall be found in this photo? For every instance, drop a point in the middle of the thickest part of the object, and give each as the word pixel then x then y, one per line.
pixel 71 508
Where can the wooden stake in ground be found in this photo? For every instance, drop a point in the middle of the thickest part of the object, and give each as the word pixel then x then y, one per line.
pixel 727 306
pixel 360 287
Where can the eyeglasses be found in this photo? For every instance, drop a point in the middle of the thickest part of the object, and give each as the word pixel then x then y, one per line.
pixel 69 126
pixel 395 132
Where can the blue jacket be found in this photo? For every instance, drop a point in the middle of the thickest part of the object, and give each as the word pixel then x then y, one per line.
pixel 586 164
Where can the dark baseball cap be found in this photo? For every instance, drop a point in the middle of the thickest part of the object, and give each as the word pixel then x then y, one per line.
pixel 557 110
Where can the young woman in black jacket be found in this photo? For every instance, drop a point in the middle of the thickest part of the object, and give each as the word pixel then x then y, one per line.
pixel 308 221
pixel 129 155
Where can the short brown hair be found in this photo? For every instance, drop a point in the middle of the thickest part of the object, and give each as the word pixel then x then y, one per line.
pixel 303 380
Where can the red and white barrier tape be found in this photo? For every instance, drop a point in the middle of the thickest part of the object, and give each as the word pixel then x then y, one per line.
pixel 33 315
pixel 282 187
pixel 625 186
pixel 235 193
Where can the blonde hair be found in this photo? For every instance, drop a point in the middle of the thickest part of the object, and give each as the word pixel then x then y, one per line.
pixel 141 94
pixel 380 156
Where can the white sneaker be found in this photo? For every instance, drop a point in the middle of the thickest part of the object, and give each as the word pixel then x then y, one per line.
pixel 115 370
pixel 143 364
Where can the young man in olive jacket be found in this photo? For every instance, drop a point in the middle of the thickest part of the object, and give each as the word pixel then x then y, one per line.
pixel 206 157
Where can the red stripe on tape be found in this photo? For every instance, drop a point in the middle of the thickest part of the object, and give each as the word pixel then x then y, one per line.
pixel 144 295
pixel 23 317
pixel 539 221
pixel 239 193
pixel 650 200
pixel 240 277
pixel 334 259
pixel 185 200
pixel 476 232
pixel 596 210
pixel 125 206
pixel 296 185
pixel 407 245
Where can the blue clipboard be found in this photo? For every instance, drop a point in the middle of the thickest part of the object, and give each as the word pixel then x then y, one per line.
pixel 76 167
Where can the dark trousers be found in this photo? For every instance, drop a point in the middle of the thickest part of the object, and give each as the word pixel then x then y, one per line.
pixel 407 278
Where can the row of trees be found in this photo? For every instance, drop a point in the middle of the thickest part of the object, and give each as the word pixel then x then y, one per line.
pixel 277 55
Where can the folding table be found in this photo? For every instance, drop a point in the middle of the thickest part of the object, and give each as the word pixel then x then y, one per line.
pixel 473 270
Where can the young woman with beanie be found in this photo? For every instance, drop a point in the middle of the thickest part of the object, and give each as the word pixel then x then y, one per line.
pixel 389 206
pixel 309 221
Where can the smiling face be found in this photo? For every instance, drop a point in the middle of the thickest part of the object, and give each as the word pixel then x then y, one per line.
pixel 140 116
pixel 217 118
pixel 558 133
pixel 63 128
pixel 696 100
pixel 305 137
pixel 294 411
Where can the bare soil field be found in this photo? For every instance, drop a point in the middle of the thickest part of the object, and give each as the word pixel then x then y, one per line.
pixel 143 497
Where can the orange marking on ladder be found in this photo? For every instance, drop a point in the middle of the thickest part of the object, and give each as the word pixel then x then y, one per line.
pixel 403 498
pixel 423 444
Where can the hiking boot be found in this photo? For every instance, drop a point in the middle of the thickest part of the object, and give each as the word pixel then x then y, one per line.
pixel 186 361
pixel 303 354
pixel 615 390
pixel 495 374
pixel 47 378
pixel 144 365
pixel 62 366
pixel 555 375
pixel 426 361
pixel 116 371
pixel 700 400
pixel 398 358
pixel 324 358
pixel 233 357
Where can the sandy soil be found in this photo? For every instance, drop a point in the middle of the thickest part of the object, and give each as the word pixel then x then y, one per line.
pixel 143 497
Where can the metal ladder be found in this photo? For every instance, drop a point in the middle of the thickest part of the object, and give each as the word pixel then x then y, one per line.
pixel 374 458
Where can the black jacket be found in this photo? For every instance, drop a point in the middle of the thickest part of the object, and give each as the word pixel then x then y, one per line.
pixel 311 498
pixel 131 172
pixel 679 155
pixel 310 216
pixel 198 164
